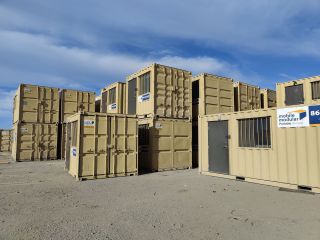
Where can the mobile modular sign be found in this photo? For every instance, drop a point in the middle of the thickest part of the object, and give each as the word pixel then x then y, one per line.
pixel 298 117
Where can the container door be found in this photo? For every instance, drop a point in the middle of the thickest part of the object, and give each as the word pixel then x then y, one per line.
pixel 218 147
pixel 132 96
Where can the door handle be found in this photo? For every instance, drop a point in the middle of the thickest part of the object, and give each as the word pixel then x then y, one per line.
pixel 225 146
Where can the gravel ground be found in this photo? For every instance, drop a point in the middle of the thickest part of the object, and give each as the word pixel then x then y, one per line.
pixel 39 200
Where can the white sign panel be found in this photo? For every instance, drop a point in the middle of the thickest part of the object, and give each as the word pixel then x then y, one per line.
pixel 112 106
pixel 88 123
pixel 293 117
pixel 144 97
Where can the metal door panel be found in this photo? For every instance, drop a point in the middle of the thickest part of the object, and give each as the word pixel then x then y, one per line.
pixel 218 147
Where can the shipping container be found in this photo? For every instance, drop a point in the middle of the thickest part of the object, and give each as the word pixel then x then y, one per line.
pixel 101 145
pixel 246 97
pixel 211 94
pixel 268 98
pixel 5 140
pixel 34 141
pixel 33 103
pixel 98 104
pixel 298 92
pixel 165 144
pixel 160 91
pixel 263 146
pixel 114 98
pixel 73 101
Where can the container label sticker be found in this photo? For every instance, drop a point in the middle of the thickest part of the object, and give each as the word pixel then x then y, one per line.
pixel 27 90
pixel 143 98
pixel 293 117
pixel 314 115
pixel 158 126
pixel 112 106
pixel 88 123
pixel 73 151
pixel 23 129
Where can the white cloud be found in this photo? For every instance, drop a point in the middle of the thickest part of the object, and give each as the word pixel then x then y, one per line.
pixel 77 45
pixel 267 26
pixel 36 59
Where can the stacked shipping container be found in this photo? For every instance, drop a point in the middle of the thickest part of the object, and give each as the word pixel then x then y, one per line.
pixel 71 102
pixel 210 94
pixel 246 97
pixel 35 119
pixel 5 140
pixel 268 98
pixel 161 97
pixel 113 98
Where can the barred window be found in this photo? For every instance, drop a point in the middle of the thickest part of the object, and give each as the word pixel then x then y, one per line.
pixel 315 88
pixel 112 95
pixel 74 133
pixel 254 132
pixel 144 83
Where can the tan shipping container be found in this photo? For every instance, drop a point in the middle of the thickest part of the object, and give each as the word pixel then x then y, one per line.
pixel 165 144
pixel 298 92
pixel 34 141
pixel 246 97
pixel 33 103
pixel 100 145
pixel 73 101
pixel 113 98
pixel 268 98
pixel 160 91
pixel 5 140
pixel 211 94
pixel 250 146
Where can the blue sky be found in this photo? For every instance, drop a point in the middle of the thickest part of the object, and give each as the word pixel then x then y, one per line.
pixel 89 44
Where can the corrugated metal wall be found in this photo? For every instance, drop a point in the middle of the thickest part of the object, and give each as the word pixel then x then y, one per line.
pixel 294 156
pixel 168 145
pixel 268 98
pixel 36 104
pixel 73 101
pixel 5 140
pixel 215 94
pixel 34 141
pixel 247 97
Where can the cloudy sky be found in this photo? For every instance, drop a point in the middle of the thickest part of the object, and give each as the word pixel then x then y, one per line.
pixel 90 43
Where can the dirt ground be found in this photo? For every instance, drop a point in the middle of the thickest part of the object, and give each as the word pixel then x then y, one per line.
pixel 39 200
